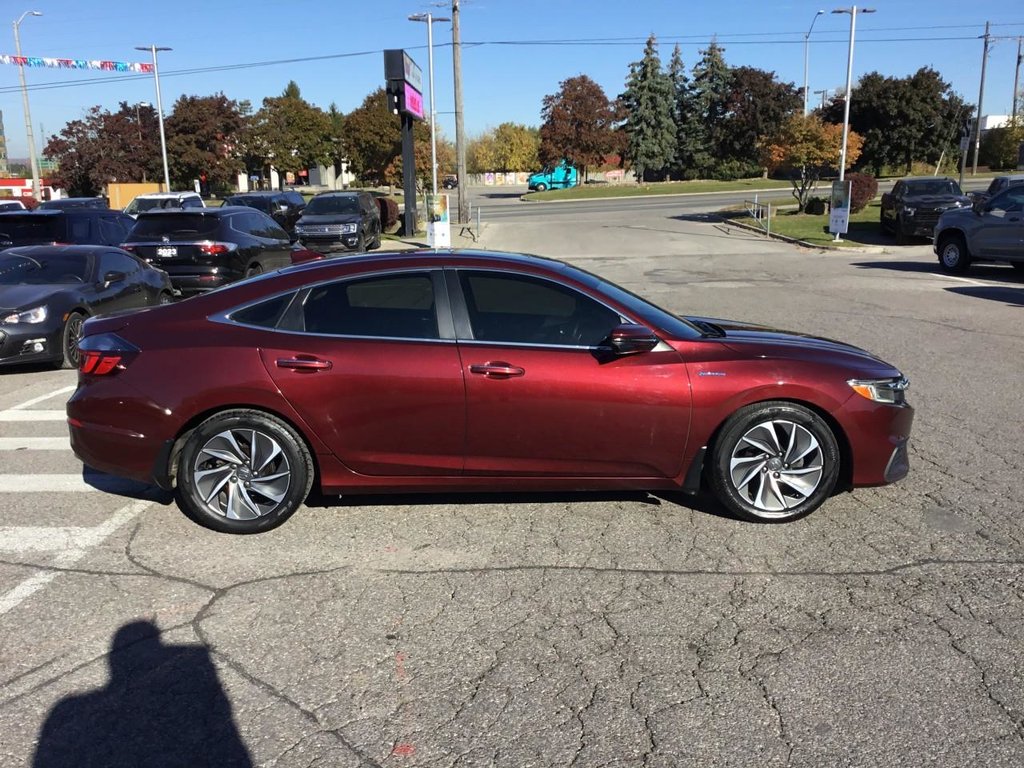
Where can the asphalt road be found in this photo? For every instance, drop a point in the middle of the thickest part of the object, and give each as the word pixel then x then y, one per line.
pixel 555 630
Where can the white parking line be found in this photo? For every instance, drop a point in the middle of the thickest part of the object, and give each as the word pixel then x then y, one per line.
pixel 19 415
pixel 34 444
pixel 41 398
pixel 68 483
pixel 84 540
pixel 962 280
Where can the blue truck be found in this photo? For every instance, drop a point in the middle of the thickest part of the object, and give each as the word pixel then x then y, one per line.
pixel 561 176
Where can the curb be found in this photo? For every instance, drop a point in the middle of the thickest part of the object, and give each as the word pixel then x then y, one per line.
pixel 523 198
pixel 804 243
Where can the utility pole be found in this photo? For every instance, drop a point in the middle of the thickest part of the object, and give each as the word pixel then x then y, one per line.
pixel 823 93
pixel 460 143
pixel 981 99
pixel 1016 78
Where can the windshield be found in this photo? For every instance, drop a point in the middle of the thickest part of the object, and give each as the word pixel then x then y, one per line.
pixel 934 188
pixel 250 201
pixel 16 269
pixel 142 204
pixel 175 226
pixel 333 204
pixel 31 228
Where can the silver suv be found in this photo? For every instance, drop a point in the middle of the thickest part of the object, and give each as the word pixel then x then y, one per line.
pixel 992 230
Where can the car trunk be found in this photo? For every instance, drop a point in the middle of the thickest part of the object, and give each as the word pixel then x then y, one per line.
pixel 174 238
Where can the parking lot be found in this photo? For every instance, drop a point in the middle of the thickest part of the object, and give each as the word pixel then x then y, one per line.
pixel 553 630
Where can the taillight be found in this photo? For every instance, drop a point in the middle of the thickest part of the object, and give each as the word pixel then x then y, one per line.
pixel 126 247
pixel 213 249
pixel 105 354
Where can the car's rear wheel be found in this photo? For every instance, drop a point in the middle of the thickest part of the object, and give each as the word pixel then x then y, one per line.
pixel 70 338
pixel 953 254
pixel 243 471
pixel 254 269
pixel 774 462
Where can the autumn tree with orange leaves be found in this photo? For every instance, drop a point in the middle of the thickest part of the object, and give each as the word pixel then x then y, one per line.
pixel 809 147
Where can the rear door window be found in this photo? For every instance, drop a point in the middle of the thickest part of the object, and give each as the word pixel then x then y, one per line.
pixel 30 228
pixel 80 229
pixel 390 306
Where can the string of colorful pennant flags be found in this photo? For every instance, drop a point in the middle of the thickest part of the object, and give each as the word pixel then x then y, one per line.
pixel 106 66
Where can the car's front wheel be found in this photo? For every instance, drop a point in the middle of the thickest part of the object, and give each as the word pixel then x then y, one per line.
pixel 774 462
pixel 541 187
pixel 243 471
pixel 953 254
pixel 70 354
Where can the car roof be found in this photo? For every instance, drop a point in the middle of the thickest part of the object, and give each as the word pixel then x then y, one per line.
pixel 215 212
pixel 342 193
pixel 79 211
pixel 165 195
pixel 69 250
pixel 257 193
pixel 435 258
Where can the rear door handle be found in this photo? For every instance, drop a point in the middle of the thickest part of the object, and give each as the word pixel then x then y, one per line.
pixel 496 370
pixel 304 364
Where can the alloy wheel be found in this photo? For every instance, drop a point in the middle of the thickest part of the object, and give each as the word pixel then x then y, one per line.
pixel 775 466
pixel 242 474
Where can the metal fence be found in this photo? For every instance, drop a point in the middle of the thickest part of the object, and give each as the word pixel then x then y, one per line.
pixel 761 213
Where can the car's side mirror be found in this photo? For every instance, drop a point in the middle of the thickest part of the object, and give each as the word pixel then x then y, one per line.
pixel 113 277
pixel 630 339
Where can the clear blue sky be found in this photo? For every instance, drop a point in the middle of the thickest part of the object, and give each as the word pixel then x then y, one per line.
pixel 515 51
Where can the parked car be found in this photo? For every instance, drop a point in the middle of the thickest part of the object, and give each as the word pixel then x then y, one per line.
pixel 992 230
pixel 12 205
pixel 159 200
pixel 73 226
pixel 283 207
pixel 47 292
pixel 63 203
pixel 206 248
pixel 914 205
pixel 340 221
pixel 997 185
pixel 450 181
pixel 465 370
pixel 561 176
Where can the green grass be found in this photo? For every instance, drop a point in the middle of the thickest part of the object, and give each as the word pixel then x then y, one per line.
pixel 629 189
pixel 864 227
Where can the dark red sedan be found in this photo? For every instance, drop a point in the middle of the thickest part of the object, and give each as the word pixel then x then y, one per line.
pixel 441 371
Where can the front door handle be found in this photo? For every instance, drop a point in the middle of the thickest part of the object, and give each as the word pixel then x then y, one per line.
pixel 496 370
pixel 304 364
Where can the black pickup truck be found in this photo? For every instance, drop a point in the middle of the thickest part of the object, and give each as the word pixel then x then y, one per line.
pixel 913 207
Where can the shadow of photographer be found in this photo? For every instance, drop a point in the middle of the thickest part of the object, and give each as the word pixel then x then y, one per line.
pixel 163 706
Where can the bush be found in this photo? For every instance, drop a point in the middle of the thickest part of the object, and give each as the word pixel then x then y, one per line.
pixel 388 212
pixel 863 188
pixel 815 206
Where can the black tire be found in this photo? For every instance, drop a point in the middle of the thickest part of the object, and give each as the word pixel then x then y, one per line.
pixel 70 356
pixel 254 269
pixel 376 240
pixel 236 488
pixel 542 187
pixel 953 254
pixel 902 238
pixel 361 243
pixel 762 486
pixel 886 229
pixel 164 298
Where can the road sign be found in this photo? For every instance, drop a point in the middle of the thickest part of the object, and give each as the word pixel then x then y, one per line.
pixel 839 218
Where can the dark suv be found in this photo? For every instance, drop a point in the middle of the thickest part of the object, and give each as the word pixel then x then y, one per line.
pixel 283 207
pixel 206 248
pixel 72 226
pixel 913 207
pixel 340 221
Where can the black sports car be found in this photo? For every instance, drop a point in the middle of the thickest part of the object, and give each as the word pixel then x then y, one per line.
pixel 47 292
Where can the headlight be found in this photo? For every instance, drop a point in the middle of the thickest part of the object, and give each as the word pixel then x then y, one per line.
pixel 34 315
pixel 889 391
pixel 349 229
pixel 909 211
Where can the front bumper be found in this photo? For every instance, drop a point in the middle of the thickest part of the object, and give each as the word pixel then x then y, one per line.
pixel 330 243
pixel 30 343
pixel 878 436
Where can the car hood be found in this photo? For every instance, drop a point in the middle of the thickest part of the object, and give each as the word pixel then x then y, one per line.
pixel 18 297
pixel 936 201
pixel 751 340
pixel 329 218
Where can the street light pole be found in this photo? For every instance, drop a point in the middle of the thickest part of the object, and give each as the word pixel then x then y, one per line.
pixel 849 84
pixel 153 49
pixel 32 159
pixel 460 143
pixel 807 38
pixel 429 19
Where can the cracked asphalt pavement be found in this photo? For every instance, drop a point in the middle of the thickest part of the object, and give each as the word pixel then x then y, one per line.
pixel 559 629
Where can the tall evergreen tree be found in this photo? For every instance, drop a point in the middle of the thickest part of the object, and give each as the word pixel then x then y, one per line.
pixel 683 113
pixel 710 95
pixel 650 126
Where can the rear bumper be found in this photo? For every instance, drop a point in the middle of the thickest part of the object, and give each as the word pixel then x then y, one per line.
pixel 200 279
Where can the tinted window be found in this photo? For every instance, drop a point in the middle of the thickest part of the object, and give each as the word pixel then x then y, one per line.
pixel 527 310
pixel 295 198
pixel 31 228
pixel 176 226
pixel 399 306
pixel 191 202
pixel 938 187
pixel 80 229
pixel 250 201
pixel 265 314
pixel 1010 200
pixel 117 262
pixel 112 231
pixel 59 268
pixel 333 204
